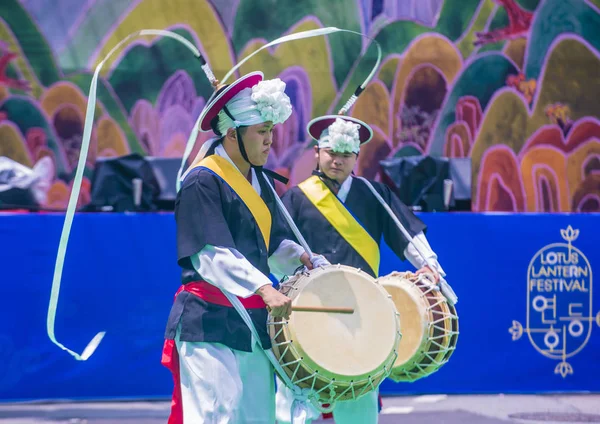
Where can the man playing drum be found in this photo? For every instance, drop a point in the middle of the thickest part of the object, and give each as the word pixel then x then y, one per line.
pixel 341 218
pixel 230 236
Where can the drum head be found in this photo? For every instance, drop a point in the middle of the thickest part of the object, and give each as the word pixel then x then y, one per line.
pixel 349 345
pixel 429 326
pixel 413 318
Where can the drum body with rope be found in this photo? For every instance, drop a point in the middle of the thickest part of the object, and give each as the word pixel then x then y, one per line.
pixel 429 325
pixel 337 356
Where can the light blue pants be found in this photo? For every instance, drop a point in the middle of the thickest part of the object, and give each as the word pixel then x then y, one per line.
pixel 364 410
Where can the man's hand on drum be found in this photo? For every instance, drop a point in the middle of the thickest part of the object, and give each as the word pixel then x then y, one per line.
pixel 427 270
pixel 278 304
pixel 315 261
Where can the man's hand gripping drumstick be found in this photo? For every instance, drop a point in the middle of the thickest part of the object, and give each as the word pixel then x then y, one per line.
pixel 278 304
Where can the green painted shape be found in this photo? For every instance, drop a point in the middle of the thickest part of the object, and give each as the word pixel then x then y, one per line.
pixel 99 20
pixel 269 20
pixel 500 20
pixel 11 71
pixel 492 47
pixel 456 16
pixel 387 73
pixel 575 86
pixel 112 106
pixel 466 45
pixel 481 79
pixel 142 72
pixel 32 42
pixel 556 17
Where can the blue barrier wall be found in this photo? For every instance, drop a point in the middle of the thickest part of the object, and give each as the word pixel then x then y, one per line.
pixel 120 277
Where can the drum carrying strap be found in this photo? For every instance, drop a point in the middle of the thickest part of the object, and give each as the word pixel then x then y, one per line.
pixel 444 286
pixel 243 189
pixel 342 220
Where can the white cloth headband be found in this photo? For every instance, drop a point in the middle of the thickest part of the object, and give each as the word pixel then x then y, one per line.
pixel 264 102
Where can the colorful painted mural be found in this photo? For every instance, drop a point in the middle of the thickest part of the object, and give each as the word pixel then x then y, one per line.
pixel 512 84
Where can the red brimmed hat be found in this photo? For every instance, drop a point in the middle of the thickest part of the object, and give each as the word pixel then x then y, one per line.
pixel 225 94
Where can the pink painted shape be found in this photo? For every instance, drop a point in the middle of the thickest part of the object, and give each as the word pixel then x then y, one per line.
pixel 480 185
pixel 496 178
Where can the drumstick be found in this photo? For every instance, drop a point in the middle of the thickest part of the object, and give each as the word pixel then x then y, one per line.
pixel 325 309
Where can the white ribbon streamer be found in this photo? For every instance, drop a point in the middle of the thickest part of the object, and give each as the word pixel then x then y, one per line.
pixel 72 205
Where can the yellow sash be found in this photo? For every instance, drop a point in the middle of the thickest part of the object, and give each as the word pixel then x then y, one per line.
pixel 344 223
pixel 243 189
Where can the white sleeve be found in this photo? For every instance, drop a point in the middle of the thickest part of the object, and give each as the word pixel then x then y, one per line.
pixel 286 259
pixel 415 258
pixel 228 269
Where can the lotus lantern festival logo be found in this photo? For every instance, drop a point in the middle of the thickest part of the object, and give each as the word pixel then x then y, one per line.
pixel 559 302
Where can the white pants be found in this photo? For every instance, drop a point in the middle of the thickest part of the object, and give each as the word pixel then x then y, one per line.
pixel 364 410
pixel 220 385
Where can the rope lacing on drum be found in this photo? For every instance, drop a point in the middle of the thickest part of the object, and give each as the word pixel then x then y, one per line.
pixel 442 332
pixel 317 396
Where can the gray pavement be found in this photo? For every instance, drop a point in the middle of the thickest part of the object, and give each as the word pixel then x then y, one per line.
pixel 438 409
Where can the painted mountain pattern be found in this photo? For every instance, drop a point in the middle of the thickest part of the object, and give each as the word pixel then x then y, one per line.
pixel 511 84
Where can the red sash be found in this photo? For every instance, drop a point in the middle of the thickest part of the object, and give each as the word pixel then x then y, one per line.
pixel 213 294
pixel 170 357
